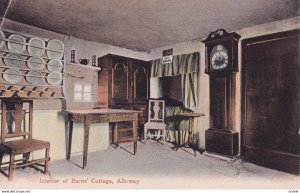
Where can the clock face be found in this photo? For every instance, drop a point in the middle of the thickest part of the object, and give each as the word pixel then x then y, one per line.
pixel 219 57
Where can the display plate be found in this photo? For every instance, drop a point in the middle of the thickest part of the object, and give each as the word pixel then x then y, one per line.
pixel 34 77
pixel 12 76
pixel 36 47
pixel 35 63
pixel 53 46
pixel 14 46
pixel 55 65
pixel 13 60
pixel 54 78
pixel 2 36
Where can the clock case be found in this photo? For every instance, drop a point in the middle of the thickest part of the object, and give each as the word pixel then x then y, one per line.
pixel 221 138
pixel 230 42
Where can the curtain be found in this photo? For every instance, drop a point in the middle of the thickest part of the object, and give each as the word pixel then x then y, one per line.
pixel 181 64
pixel 189 90
pixel 186 65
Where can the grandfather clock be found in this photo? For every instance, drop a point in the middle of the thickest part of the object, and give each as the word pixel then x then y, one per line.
pixel 221 66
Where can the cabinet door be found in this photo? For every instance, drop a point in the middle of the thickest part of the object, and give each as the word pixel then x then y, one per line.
pixel 140 82
pixel 120 82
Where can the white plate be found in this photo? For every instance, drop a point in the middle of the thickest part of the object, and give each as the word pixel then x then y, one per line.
pixel 35 63
pixel 13 60
pixel 15 46
pixel 34 77
pixel 55 65
pixel 36 47
pixel 2 36
pixel 56 49
pixel 54 78
pixel 12 76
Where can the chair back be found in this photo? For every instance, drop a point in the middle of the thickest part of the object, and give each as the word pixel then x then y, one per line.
pixel 13 116
pixel 156 110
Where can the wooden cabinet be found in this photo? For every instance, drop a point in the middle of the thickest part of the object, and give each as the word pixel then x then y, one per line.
pixel 123 83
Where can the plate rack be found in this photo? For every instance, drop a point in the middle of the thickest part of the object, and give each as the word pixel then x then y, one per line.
pixel 30 67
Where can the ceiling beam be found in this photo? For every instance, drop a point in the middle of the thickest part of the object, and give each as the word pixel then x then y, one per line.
pixel 4 5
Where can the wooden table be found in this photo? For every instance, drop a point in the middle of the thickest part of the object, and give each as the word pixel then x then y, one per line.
pixel 88 117
pixel 191 117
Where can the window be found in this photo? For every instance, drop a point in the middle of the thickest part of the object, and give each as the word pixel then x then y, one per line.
pixel 82 92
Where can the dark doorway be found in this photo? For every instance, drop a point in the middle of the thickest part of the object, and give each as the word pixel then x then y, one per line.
pixel 270 101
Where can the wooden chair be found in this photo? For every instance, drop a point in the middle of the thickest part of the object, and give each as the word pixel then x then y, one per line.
pixel 156 115
pixel 20 139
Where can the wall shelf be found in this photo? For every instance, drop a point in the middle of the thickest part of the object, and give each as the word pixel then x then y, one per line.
pixel 85 66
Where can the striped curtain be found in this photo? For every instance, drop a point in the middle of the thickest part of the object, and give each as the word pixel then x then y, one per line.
pixel 186 65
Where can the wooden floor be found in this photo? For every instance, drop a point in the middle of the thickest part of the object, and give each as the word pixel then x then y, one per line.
pixel 154 166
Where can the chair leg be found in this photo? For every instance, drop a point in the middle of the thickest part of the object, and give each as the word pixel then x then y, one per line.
pixel 26 158
pixel 1 157
pixel 11 166
pixel 145 134
pixel 167 133
pixel 47 160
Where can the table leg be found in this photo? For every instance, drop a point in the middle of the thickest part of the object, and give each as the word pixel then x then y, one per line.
pixel 86 141
pixel 191 134
pixel 69 142
pixel 134 127
pixel 117 134
pixel 177 140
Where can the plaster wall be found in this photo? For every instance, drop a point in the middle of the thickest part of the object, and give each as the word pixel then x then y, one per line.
pixel 49 122
pixel 202 123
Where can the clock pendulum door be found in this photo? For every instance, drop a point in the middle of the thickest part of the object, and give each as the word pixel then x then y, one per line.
pixel 220 138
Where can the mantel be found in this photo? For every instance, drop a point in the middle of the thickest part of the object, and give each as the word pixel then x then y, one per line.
pixel 85 66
